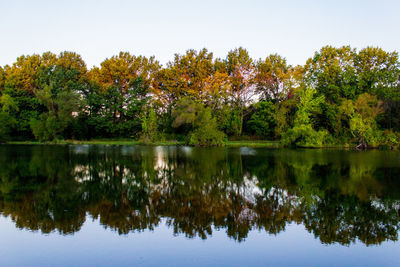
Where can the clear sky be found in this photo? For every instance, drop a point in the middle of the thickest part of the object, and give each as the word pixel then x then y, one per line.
pixel 98 29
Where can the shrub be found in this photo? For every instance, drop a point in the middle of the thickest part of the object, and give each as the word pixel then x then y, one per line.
pixel 206 132
pixel 46 127
pixel 262 121
pixel 149 127
pixel 6 123
pixel 391 139
pixel 304 135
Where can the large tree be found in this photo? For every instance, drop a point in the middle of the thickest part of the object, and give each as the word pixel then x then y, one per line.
pixel 125 81
pixel 273 78
pixel 58 89
pixel 241 70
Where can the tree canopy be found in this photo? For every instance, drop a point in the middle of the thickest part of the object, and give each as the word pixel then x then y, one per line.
pixel 339 96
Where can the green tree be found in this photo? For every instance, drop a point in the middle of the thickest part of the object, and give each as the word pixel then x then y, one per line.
pixel 273 77
pixel 59 85
pixel 332 73
pixel 206 132
pixel 241 71
pixel 362 115
pixel 21 81
pixel 2 79
pixel 125 81
pixel 378 74
pixel 302 133
pixel 199 125
pixel 263 121
pixel 149 126
pixel 7 121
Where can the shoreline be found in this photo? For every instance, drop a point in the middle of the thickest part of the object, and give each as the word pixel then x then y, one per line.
pixel 269 144
pixel 236 143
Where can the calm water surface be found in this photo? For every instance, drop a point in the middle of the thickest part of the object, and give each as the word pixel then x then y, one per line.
pixel 172 206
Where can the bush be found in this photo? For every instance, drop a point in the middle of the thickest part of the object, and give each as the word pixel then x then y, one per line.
pixel 391 139
pixel 201 125
pixel 6 123
pixel 149 127
pixel 206 132
pixel 45 128
pixel 262 121
pixel 304 135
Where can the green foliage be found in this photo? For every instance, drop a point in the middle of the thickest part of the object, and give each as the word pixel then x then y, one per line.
pixel 262 121
pixel 186 112
pixel 378 72
pixel 339 95
pixel 332 73
pixel 229 121
pixel 149 127
pixel 206 132
pixel 308 105
pixel 273 77
pixel 391 139
pixel 46 128
pixel 59 116
pixel 284 116
pixel 6 123
pixel 8 104
pixel 200 124
pixel 364 130
pixel 362 115
pixel 302 133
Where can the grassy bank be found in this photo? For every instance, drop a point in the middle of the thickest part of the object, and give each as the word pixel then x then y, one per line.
pixel 236 143
pixel 97 142
pixel 272 144
pixel 127 142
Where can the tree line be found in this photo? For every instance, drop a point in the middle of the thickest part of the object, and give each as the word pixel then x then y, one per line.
pixel 339 96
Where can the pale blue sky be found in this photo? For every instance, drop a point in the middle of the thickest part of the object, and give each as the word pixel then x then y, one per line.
pixel 100 29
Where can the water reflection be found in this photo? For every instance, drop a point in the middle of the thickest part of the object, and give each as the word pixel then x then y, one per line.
pixel 339 196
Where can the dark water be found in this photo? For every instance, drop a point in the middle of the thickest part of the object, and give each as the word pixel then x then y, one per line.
pixel 169 206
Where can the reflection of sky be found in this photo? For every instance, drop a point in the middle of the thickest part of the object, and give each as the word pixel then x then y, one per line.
pixel 94 245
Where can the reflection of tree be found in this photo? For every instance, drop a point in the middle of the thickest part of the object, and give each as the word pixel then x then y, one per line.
pixel 342 219
pixel 275 209
pixel 37 192
pixel 339 196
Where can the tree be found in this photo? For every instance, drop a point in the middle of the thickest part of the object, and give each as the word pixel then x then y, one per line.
pixel 126 81
pixel 273 78
pixel 345 74
pixel 21 82
pixel 149 126
pixel 7 121
pixel 2 79
pixel 56 96
pixel 378 74
pixel 206 132
pixel 262 122
pixel 58 90
pixel 332 73
pixel 199 124
pixel 302 133
pixel 187 75
pixel 362 115
pixel 241 70
pixel 195 75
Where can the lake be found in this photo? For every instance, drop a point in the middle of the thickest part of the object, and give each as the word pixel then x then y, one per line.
pixel 174 205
